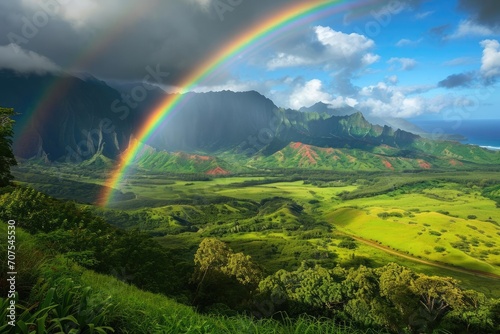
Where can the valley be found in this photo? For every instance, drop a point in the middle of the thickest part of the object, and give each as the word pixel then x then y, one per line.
pixel 235 203
pixel 445 223
pixel 254 167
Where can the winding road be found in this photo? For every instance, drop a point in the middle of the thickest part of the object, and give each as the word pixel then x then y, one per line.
pixel 415 259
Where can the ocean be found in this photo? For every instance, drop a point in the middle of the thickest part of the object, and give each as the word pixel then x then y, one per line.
pixel 481 132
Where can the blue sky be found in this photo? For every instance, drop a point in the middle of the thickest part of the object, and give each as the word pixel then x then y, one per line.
pixel 416 59
pixel 426 62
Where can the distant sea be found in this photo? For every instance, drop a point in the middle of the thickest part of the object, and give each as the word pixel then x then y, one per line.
pixel 481 132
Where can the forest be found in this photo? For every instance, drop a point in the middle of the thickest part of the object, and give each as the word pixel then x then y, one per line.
pixel 282 251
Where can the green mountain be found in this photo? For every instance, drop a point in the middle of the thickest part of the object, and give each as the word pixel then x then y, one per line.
pixel 383 157
pixel 214 133
pixel 308 140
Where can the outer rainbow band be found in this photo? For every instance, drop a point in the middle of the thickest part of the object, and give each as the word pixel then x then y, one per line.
pixel 293 15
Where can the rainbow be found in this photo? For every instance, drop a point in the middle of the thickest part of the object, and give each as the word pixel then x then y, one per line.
pixel 60 86
pixel 295 15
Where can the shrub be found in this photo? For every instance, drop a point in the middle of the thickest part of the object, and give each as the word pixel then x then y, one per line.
pixel 349 244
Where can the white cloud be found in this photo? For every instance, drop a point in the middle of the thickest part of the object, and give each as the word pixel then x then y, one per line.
pixel 15 58
pixel 459 61
pixel 342 54
pixel 469 28
pixel 490 67
pixel 312 92
pixel 340 101
pixel 287 60
pixel 421 16
pixel 308 94
pixel 338 50
pixel 406 64
pixel 393 79
pixel 382 100
pixel 346 45
pixel 408 42
pixel 369 59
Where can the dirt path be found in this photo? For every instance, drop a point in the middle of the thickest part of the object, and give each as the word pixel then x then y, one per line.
pixel 415 259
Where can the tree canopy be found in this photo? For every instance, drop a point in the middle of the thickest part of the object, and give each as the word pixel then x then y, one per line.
pixel 222 275
pixel 7 158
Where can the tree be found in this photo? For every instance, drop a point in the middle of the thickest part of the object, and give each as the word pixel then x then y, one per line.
pixel 223 276
pixel 394 283
pixel 7 158
pixel 310 289
pixel 438 296
pixel 211 255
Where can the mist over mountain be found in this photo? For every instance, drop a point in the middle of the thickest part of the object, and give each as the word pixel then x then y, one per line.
pixel 75 119
pixel 57 114
pixel 393 122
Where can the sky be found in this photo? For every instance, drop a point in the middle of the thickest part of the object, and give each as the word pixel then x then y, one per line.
pixel 415 59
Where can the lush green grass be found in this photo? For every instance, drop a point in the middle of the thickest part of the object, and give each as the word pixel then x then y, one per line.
pixel 428 215
pixel 65 296
pixel 141 312
pixel 469 243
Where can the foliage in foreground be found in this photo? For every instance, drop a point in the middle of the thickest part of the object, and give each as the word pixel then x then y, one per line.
pixel 71 299
pixel 62 227
pixel 61 307
pixel 391 297
pixel 366 298
pixel 7 158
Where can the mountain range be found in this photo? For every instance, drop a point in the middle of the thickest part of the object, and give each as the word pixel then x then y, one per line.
pixel 81 119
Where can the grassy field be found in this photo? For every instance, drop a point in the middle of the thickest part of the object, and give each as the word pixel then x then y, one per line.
pixel 57 291
pixel 443 218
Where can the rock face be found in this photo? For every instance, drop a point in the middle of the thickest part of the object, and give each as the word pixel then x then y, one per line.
pixel 214 122
pixel 68 118
pixel 63 117
pixel 76 119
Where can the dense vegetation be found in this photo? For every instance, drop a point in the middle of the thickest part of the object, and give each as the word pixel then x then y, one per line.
pixel 282 251
pixel 6 155
pixel 391 297
pixel 61 296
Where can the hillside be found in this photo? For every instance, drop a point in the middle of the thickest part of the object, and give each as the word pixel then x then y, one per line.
pixel 299 155
pixel 74 298
pixel 78 272
pixel 214 133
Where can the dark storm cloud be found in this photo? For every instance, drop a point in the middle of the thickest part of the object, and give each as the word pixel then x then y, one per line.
pixel 457 80
pixel 127 39
pixel 120 40
pixel 483 12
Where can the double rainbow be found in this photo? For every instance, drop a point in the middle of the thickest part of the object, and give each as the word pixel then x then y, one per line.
pixel 60 86
pixel 295 15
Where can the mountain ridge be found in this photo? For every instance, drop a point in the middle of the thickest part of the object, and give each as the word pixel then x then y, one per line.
pixel 94 123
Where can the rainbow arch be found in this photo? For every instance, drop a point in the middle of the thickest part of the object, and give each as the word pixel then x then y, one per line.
pixel 294 15
pixel 59 87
